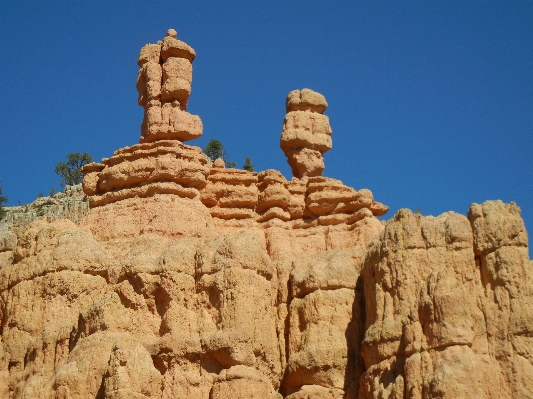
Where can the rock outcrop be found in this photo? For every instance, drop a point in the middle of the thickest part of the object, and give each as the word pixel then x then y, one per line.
pixel 71 203
pixel 166 187
pixel 187 279
pixel 449 307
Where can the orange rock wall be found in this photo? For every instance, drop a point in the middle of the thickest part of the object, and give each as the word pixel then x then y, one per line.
pixel 449 307
pixel 418 307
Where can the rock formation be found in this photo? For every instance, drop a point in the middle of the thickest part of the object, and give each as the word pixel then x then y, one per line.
pixel 164 85
pixel 192 280
pixel 306 132
pixel 71 203
pixel 449 306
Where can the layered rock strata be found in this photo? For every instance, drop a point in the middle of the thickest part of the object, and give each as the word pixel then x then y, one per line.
pixel 190 280
pixel 431 308
pixel 164 186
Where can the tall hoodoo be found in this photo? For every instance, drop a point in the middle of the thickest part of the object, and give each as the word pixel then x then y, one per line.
pixel 164 85
pixel 161 163
pixel 306 132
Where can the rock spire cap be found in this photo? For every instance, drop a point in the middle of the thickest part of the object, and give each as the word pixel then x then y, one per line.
pixel 172 33
pixel 306 100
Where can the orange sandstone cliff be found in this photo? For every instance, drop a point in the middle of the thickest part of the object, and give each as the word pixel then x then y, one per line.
pixel 192 281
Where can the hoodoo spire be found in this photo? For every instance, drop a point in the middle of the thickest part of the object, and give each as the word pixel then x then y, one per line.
pixel 164 85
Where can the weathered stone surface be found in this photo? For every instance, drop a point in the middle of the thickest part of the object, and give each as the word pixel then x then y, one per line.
pixel 143 170
pixel 169 122
pixel 139 314
pixel 8 240
pixel 317 392
pixel 306 100
pixel 177 79
pixel 318 352
pixel 496 225
pixel 149 83
pixel 172 47
pixel 506 273
pixel 230 193
pixel 149 53
pixel 131 372
pixel 439 319
pixel 306 129
pixel 305 162
pixel 242 382
pixel 165 214
pixel 325 325
pixel 170 308
pixel 71 203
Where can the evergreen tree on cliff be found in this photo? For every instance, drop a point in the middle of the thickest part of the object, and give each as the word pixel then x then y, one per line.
pixel 215 149
pixel 70 171
pixel 248 165
pixel 3 199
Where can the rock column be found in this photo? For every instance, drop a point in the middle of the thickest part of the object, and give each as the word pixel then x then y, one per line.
pixel 306 132
pixel 164 85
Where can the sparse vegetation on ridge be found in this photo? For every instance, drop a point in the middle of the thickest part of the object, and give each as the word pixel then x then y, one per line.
pixel 248 165
pixel 70 171
pixel 3 199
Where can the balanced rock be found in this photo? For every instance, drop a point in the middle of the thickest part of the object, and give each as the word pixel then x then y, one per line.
pixel 306 133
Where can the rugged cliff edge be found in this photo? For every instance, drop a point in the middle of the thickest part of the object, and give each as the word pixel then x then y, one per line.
pixel 189 280
pixel 71 203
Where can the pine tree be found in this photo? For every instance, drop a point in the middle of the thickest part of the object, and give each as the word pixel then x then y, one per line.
pixel 3 199
pixel 215 149
pixel 248 165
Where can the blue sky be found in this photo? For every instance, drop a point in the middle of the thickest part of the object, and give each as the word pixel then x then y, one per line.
pixel 431 103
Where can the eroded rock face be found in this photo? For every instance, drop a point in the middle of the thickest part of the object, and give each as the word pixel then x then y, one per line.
pixel 192 280
pixel 165 187
pixel 426 307
pixel 448 304
pixel 142 170
pixel 71 203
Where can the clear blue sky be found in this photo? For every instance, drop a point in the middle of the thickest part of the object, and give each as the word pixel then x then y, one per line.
pixel 431 103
